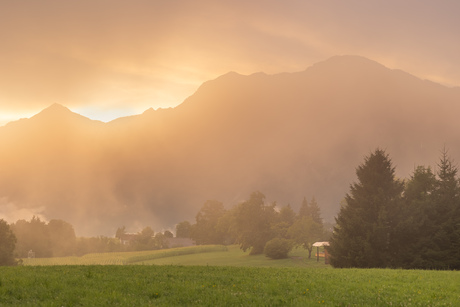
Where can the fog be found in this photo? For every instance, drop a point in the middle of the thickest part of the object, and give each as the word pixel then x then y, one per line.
pixel 289 135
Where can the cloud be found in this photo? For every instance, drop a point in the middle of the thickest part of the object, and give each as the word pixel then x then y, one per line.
pixel 12 213
pixel 134 55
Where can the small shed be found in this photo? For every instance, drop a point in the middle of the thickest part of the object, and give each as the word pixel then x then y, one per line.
pixel 326 256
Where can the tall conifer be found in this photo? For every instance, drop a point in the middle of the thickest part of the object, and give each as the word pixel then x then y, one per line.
pixel 364 233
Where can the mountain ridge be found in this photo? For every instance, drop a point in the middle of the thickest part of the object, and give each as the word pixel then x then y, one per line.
pixel 288 135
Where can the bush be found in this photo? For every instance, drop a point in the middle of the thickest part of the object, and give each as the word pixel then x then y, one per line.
pixel 278 248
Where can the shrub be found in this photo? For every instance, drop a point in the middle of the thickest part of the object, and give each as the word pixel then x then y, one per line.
pixel 278 248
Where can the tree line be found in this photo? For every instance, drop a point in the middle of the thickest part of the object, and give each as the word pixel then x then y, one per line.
pixel 386 222
pixel 253 224
pixel 257 226
pixel 56 238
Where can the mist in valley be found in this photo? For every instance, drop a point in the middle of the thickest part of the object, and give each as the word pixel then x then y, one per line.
pixel 288 135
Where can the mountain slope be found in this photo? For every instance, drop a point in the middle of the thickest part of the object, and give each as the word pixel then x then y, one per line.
pixel 288 135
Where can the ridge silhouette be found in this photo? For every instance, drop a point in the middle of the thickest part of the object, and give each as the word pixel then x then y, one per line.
pixel 288 135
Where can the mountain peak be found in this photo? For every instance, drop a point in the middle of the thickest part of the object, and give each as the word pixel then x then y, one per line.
pixel 352 62
pixel 55 109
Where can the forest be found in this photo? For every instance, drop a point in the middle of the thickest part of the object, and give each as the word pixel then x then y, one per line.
pixel 386 222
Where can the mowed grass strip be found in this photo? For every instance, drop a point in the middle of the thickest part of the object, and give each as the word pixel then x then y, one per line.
pixel 121 258
pixel 224 286
pixel 234 256
pixel 214 255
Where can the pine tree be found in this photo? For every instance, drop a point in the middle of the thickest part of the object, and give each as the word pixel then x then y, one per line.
pixel 416 223
pixel 304 208
pixel 315 211
pixel 311 210
pixel 364 231
pixel 445 251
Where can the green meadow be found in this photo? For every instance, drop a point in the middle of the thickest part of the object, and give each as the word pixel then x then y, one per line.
pixel 217 276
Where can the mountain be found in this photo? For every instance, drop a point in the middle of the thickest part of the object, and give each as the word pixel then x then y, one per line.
pixel 287 135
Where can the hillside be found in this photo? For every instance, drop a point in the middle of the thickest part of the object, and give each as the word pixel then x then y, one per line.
pixel 288 135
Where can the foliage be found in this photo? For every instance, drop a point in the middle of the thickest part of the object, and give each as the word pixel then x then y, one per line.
pixel 381 227
pixel 364 235
pixel 168 234
pixel 305 231
pixel 205 230
pixel 120 232
pixel 32 236
pixel 183 230
pixel 432 218
pixel 61 237
pixel 7 244
pixel 312 210
pixel 252 223
pixel 278 248
pixel 224 286
pixel 284 219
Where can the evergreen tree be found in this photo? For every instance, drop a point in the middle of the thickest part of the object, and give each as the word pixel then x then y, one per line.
pixel 304 208
pixel 315 212
pixel 416 224
pixel 311 210
pixel 445 252
pixel 364 234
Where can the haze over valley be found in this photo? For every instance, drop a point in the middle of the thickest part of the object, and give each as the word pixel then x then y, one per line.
pixel 287 135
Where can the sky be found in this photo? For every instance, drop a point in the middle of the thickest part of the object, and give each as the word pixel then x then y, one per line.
pixel 110 58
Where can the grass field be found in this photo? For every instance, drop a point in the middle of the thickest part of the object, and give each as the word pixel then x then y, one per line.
pixel 215 255
pixel 147 285
pixel 217 276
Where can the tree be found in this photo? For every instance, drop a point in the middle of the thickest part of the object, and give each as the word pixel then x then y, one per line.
pixel 205 230
pixel 416 223
pixel 168 234
pixel 252 223
pixel 183 230
pixel 145 239
pixel 446 196
pixel 305 231
pixel 364 233
pixel 304 208
pixel 7 244
pixel 120 232
pixel 315 211
pixel 33 235
pixel 312 210
pixel 62 238
pixel 160 241
pixel 284 219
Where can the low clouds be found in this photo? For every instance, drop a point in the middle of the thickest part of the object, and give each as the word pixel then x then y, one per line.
pixel 11 213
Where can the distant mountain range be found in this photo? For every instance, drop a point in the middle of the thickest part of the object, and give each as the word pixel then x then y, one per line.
pixel 289 135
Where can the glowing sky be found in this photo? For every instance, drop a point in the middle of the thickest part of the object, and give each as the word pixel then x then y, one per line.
pixel 110 58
